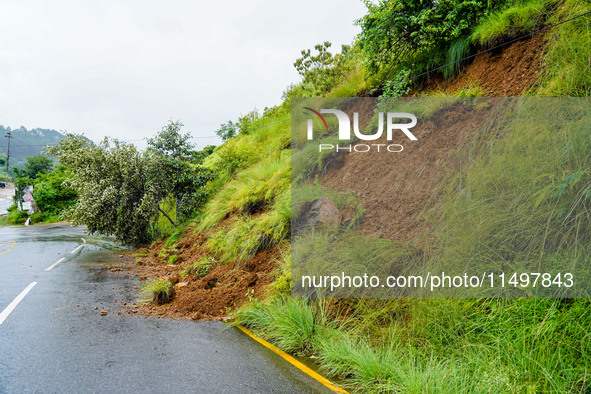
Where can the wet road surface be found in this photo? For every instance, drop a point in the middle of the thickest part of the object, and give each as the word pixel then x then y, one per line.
pixel 55 341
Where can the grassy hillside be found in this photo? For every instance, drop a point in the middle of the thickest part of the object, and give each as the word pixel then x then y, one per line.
pixel 428 345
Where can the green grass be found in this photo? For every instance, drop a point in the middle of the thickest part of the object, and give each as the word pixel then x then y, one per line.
pixel 523 197
pixel 200 268
pixel 352 86
pixel 250 190
pixel 176 235
pixel 244 236
pixel 437 345
pixel 458 50
pixel 568 57
pixel 513 204
pixel 517 20
pixel 159 291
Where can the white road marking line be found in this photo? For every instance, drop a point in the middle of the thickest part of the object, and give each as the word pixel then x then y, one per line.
pixel 14 303
pixel 77 249
pixel 52 266
pixel 83 240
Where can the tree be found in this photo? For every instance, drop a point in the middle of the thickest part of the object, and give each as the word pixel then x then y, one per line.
pixel 180 169
pixel 169 142
pixel 121 190
pixel 118 192
pixel 228 130
pixel 35 165
pixel 51 193
pixel 323 71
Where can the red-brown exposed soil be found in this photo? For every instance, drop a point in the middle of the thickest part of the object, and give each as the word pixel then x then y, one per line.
pixel 395 188
pixel 507 71
pixel 214 296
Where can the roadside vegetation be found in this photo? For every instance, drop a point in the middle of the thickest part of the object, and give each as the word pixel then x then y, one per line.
pixel 52 196
pixel 464 345
pixel 238 197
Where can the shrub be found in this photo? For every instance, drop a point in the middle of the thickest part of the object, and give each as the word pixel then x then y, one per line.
pixel 200 268
pixel 158 291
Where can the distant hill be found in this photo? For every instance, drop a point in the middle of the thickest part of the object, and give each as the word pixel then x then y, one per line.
pixel 27 142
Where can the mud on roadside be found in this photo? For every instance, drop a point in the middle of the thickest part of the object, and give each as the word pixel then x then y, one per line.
pixel 214 296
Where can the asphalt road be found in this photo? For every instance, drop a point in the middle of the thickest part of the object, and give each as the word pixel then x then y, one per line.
pixel 4 205
pixel 55 341
pixel 6 194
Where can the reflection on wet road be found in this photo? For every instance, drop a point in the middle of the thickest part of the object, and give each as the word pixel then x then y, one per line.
pixel 54 340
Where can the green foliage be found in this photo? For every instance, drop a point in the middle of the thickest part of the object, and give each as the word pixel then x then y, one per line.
pixel 176 235
pixel 568 64
pixel 252 190
pixel 180 170
pixel 322 71
pixel 244 236
pixel 228 130
pixel 512 22
pixel 281 287
pixel 123 192
pixel 119 188
pixel 397 87
pixel 526 195
pixel 394 88
pixel 353 84
pixel 52 194
pixel 436 345
pixel 170 143
pixel 473 90
pixel 290 323
pixel 200 268
pixel 15 216
pixel 34 166
pixel 395 32
pixel 458 50
pixel 158 291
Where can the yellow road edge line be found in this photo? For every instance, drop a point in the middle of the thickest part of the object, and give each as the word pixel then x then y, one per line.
pixel 295 362
pixel 8 250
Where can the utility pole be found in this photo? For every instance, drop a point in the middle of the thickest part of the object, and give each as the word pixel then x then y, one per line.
pixel 9 136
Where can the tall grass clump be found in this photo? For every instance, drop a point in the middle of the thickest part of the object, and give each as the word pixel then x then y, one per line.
pixel 158 291
pixel 290 323
pixel 568 58
pixel 525 197
pixel 244 236
pixel 458 50
pixel 251 190
pixel 519 19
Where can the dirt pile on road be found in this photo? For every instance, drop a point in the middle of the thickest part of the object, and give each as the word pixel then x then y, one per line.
pixel 213 296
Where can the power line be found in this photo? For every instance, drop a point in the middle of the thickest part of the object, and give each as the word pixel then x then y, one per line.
pixel 493 48
pixel 141 139
pixel 457 61
pixel 397 83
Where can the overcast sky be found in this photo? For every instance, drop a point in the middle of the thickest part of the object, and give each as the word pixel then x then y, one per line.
pixel 124 68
